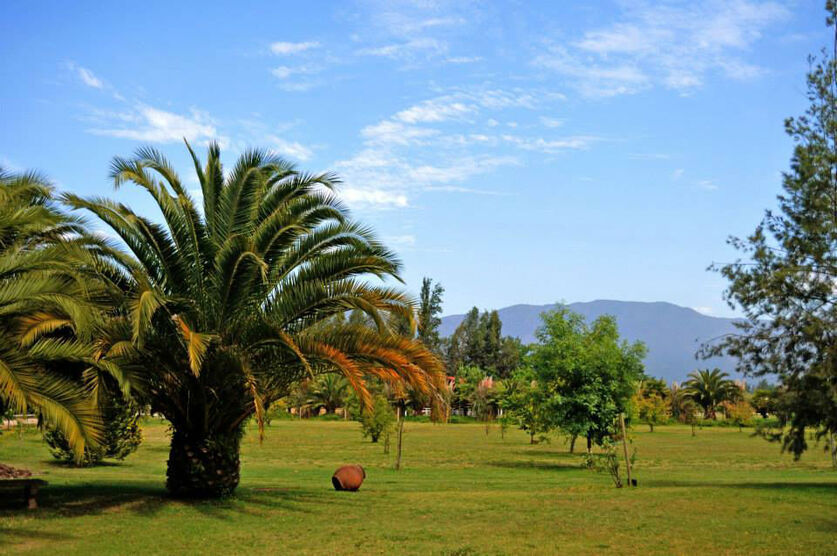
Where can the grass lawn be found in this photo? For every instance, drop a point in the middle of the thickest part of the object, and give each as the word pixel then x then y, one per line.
pixel 461 492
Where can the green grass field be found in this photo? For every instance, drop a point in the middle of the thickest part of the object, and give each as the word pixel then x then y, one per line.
pixel 461 492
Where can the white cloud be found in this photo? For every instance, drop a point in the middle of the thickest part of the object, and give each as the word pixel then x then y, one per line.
pixel 146 123
pixel 285 48
pixel 463 59
pixel 373 197
pixel 388 132
pixel 406 240
pixel 677 174
pixel 87 76
pixel 431 146
pixel 551 146
pixel 433 111
pixel 551 122
pixel 708 185
pixel 290 148
pixel 673 45
pixel 284 72
pixel 704 310
pixel 405 50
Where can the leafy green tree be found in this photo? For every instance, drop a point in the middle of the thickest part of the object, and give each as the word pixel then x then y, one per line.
pixel 784 282
pixel 587 372
pixel 54 293
pixel 709 389
pixel 429 311
pixel 526 405
pixel 229 306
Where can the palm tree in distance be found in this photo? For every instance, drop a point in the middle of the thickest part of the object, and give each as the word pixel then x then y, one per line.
pixel 228 306
pixel 709 389
pixel 328 392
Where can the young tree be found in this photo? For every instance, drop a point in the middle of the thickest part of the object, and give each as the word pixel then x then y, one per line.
pixel 784 282
pixel 526 405
pixel 429 309
pixel 226 307
pixel 587 372
pixel 652 409
pixel 378 420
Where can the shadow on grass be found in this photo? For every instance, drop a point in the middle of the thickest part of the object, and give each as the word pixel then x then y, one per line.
pixel 533 464
pixel 67 501
pixel 830 487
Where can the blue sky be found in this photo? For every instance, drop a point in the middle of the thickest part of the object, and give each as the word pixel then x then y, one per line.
pixel 518 152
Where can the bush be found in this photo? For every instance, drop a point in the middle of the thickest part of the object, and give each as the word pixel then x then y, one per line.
pixel 122 435
pixel 378 420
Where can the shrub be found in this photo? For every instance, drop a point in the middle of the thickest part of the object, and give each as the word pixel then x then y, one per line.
pixel 378 420
pixel 122 435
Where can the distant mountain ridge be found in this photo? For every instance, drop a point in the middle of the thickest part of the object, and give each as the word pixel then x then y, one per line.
pixel 672 333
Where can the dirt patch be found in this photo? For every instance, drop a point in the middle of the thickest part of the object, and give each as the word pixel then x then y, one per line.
pixel 9 472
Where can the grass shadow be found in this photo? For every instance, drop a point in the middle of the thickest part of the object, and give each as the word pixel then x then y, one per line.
pixel 830 487
pixel 533 464
pixel 67 501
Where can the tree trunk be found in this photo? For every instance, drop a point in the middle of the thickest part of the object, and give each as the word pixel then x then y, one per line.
pixel 203 467
pixel 833 451
pixel 693 429
pixel 400 435
pixel 572 443
pixel 589 443
pixel 651 426
pixel 531 438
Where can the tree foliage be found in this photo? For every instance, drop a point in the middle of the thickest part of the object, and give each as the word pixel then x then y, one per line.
pixel 709 389
pixel 122 435
pixel 55 289
pixel 478 342
pixel 784 280
pixel 587 373
pixel 228 306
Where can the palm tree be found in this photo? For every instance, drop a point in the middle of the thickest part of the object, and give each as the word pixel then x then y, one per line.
pixel 230 305
pixel 52 294
pixel 328 392
pixel 709 388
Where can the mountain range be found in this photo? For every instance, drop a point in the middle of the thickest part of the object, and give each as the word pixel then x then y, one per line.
pixel 672 333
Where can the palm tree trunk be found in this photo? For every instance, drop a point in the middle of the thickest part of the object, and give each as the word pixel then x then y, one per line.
pixel 202 466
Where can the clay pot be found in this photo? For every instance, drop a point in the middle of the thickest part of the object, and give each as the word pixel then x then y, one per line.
pixel 348 477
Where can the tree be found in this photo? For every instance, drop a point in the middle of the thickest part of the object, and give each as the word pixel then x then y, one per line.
pixel 525 405
pixel 738 412
pixel 784 281
pixel 53 294
pixel 328 391
pixel 709 389
pixel 587 373
pixel 227 307
pixel 764 401
pixel 378 420
pixel 429 309
pixel 478 342
pixel 121 436
pixel 652 409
